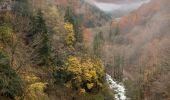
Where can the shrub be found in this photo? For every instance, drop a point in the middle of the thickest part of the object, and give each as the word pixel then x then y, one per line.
pixel 35 88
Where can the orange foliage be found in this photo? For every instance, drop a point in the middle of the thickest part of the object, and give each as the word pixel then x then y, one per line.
pixel 88 38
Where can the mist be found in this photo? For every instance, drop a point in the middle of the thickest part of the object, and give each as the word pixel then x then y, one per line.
pixel 121 6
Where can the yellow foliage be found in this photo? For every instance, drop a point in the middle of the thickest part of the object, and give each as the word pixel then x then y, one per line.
pixel 31 78
pixel 99 66
pixel 74 65
pixel 6 33
pixel 70 38
pixel 38 86
pixel 89 73
pixel 90 85
pixel 34 88
pixel 86 72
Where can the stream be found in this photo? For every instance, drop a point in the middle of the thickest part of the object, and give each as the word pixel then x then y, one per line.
pixel 117 87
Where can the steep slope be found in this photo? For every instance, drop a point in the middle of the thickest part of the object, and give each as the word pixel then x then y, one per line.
pixel 143 40
pixel 118 8
pixel 87 13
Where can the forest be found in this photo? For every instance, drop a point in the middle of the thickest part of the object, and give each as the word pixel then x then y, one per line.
pixel 75 50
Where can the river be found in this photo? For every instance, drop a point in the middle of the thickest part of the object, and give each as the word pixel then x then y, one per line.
pixel 117 87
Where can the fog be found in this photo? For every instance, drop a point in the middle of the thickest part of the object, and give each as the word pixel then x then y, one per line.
pixel 121 6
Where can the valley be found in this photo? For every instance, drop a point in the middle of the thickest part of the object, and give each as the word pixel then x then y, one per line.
pixel 84 50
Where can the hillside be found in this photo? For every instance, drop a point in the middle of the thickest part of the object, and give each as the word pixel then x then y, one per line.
pixel 142 39
pixel 87 13
pixel 118 8
pixel 84 50
pixel 42 52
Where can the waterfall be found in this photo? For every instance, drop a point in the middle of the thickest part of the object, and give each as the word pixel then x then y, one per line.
pixel 117 87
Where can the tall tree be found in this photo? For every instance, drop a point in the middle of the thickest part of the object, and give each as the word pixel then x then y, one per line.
pixel 71 18
pixel 23 7
pixel 39 29
pixel 97 44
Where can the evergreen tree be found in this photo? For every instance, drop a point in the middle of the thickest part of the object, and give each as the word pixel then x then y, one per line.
pixel 97 44
pixel 118 67
pixel 38 25
pixel 39 28
pixel 23 7
pixel 45 49
pixel 113 33
pixel 10 82
pixel 71 18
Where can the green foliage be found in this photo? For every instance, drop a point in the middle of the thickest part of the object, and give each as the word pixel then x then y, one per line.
pixel 113 33
pixel 39 28
pixel 118 67
pixel 5 33
pixel 23 7
pixel 38 25
pixel 135 89
pixel 10 83
pixel 45 49
pixel 97 44
pixel 71 18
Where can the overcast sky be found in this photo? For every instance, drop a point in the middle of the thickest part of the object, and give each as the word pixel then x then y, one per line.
pixel 123 5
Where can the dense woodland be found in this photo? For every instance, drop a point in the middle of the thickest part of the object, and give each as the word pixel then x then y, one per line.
pixel 62 50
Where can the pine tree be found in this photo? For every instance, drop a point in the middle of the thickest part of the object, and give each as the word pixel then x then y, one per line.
pixel 23 7
pixel 71 18
pixel 38 25
pixel 39 28
pixel 97 44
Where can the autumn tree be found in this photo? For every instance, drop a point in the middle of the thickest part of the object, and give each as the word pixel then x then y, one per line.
pixel 70 37
pixel 34 88
pixel 74 72
pixel 71 18
pixel 82 73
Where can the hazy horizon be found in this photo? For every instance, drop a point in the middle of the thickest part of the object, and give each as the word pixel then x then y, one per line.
pixel 122 5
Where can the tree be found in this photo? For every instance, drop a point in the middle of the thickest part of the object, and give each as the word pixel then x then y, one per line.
pixel 39 37
pixel 71 18
pixel 97 44
pixel 23 7
pixel 10 82
pixel 9 39
pixel 70 37
pixel 38 25
pixel 5 33
pixel 45 49
pixel 113 33
pixel 74 71
pixel 82 73
pixel 34 88
pixel 118 67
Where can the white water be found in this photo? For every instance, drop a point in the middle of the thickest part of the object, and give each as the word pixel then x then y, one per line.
pixel 118 88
